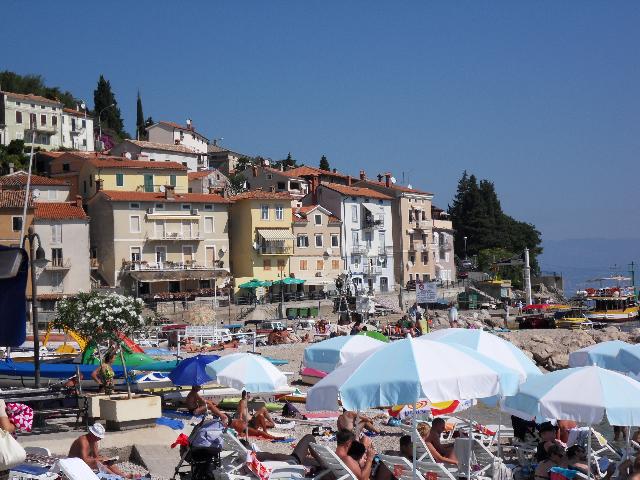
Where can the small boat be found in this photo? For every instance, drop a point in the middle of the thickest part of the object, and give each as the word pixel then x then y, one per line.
pixel 616 308
pixel 311 376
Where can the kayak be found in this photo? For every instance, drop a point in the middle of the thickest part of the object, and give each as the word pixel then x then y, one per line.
pixel 232 404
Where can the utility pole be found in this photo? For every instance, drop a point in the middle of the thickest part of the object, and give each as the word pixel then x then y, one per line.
pixel 527 276
pixel 632 272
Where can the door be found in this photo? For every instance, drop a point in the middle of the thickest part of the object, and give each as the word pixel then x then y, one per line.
pixel 148 183
pixel 160 229
pixel 210 254
pixel 187 254
pixel 186 228
pixel 384 284
pixel 161 256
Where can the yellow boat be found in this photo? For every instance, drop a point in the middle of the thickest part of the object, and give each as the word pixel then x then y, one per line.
pixel 621 308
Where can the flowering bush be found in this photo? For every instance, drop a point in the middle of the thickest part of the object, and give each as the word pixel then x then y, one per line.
pixel 100 317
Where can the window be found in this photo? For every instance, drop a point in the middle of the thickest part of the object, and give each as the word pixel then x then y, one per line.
pixel 294 185
pixel 43 119
pixel 281 186
pixel 161 254
pixel 172 179
pixel 335 240
pixel 119 179
pixel 160 229
pixel 186 206
pixel 302 240
pixel 148 183
pixel 318 219
pixel 279 212
pixel 354 213
pixel 355 238
pixel 84 142
pixel 159 206
pixel 264 212
pixel 303 265
pixel 134 224
pixel 18 117
pixel 136 255
pixel 208 224
pixel 16 223
pixel 319 264
pixel 266 264
pixel 319 240
pixel 281 264
pixel 425 258
pixel 335 264
pixel 412 259
pixel 84 124
pixel 134 205
pixel 73 124
pixel 208 206
pixel 54 121
pixel 382 239
pixel 355 260
pixel 56 233
pixel 66 167
pixel 56 257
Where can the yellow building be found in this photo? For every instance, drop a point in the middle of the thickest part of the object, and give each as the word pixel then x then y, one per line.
pixel 261 236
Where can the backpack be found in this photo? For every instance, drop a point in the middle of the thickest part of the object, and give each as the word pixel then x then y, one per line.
pixel 289 411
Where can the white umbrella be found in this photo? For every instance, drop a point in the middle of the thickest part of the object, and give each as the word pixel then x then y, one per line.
pixel 329 354
pixel 246 371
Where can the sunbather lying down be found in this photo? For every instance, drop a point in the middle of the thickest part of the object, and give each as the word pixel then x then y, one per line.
pixel 257 425
pixel 347 421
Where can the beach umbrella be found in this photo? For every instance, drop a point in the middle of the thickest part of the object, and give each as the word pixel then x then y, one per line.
pixel 254 283
pixel 289 281
pixel 329 354
pixel 485 343
pixel 629 358
pixel 191 371
pixel 606 355
pixel 375 335
pixel 424 407
pixel 246 371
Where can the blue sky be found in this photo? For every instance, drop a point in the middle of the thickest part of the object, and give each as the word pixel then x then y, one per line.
pixel 541 97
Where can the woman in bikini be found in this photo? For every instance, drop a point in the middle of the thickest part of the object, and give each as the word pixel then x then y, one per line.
pixel 555 458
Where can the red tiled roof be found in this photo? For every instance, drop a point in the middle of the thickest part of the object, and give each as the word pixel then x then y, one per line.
pixel 179 127
pixel 200 174
pixel 59 211
pixel 121 162
pixel 52 155
pixel 301 214
pixel 392 186
pixel 261 195
pixel 163 146
pixel 28 97
pixel 19 179
pixel 356 191
pixel 13 199
pixel 118 196
pixel 76 113
pixel 305 170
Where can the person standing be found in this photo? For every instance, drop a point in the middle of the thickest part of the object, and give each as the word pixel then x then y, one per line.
pixel 506 315
pixel 453 316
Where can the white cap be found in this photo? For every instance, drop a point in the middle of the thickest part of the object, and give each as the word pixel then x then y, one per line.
pixel 97 430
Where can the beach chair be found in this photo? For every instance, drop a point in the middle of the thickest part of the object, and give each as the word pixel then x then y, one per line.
pixel 601 447
pixel 241 457
pixel 74 469
pixel 331 462
pixel 401 468
pixel 484 463
pixel 435 471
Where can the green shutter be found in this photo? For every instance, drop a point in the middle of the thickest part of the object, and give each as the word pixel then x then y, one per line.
pixel 119 179
pixel 172 180
pixel 148 183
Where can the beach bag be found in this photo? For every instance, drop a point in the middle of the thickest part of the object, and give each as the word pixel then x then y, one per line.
pixel 11 452
pixel 290 411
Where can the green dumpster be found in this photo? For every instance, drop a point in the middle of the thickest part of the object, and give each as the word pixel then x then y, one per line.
pixel 313 311
pixel 303 312
pixel 292 312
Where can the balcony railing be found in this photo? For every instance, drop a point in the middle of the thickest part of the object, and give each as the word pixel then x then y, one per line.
pixel 167 265
pixel 370 223
pixel 386 250
pixel 179 236
pixel 361 249
pixel 275 250
pixel 422 224
pixel 42 128
pixel 59 264
pixel 446 246
pixel 372 270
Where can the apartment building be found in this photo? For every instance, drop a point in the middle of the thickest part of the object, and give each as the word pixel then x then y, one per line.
pixel 263 177
pixel 157 242
pixel 160 152
pixel 223 159
pixel 208 181
pixel 43 189
pixel 366 234
pixel 172 133
pixel 443 252
pixel 77 130
pixel 11 208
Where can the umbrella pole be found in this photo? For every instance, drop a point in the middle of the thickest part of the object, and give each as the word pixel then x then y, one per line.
pixel 499 429
pixel 469 450
pixel 414 440
pixel 589 452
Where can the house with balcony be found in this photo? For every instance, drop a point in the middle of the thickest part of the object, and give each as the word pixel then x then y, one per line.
pixel 208 181
pixel 366 233
pixel 261 235
pixel 317 253
pixel 171 133
pixel 222 158
pixel 443 251
pixel 160 152
pixel 63 228
pixel 157 242
pixel 88 173
pixel 77 130
pixel 263 177
pixel 412 228
pixel 43 189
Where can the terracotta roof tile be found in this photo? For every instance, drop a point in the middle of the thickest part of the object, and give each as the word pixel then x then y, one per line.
pixel 76 113
pixel 19 179
pixel 59 211
pixel 121 162
pixel 261 195
pixel 200 174
pixel 28 97
pixel 305 170
pixel 356 191
pixel 393 186
pixel 118 196
pixel 163 146
pixel 13 199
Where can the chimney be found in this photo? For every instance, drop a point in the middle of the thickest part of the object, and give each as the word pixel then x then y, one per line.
pixel 349 179
pixel 363 175
pixel 189 124
pixel 79 200
pixel 315 181
pixel 99 183
pixel 380 177
pixel 387 179
pixel 282 167
pixel 335 170
pixel 169 192
pixel 11 167
pixel 254 170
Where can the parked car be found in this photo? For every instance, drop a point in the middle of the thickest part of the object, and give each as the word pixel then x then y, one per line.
pixel 411 285
pixel 462 274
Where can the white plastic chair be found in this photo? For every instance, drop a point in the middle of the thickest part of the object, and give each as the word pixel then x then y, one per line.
pixel 332 462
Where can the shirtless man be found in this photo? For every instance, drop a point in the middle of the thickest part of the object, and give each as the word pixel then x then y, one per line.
pixel 256 426
pixel 362 472
pixel 346 421
pixel 441 453
pixel 199 406
pixel 86 448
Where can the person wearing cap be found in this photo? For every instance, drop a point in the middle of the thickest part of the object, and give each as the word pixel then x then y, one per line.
pixel 86 448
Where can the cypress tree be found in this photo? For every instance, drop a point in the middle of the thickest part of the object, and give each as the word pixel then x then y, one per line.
pixel 324 163
pixel 140 123
pixel 111 118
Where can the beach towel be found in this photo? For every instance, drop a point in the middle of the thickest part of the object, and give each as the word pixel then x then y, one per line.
pixel 258 468
pixel 21 416
pixel 171 423
pixel 559 473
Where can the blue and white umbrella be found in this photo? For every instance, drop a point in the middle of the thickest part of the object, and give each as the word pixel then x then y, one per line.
pixel 246 371
pixel 629 359
pixel 488 344
pixel 582 394
pixel 329 354
pixel 606 355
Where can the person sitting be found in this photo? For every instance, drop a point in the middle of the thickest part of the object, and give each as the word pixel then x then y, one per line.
pixel 563 430
pixel 197 405
pixel 441 453
pixel 362 471
pixel 547 439
pixel 257 425
pixel 103 375
pixel 346 421
pixel 275 337
pixel 86 448
pixel 555 458
pixel 629 468
pixel 577 460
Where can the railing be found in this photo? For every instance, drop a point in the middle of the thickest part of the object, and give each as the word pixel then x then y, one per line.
pixel 386 250
pixel 446 246
pixel 59 264
pixel 275 250
pixel 422 224
pixel 372 270
pixel 42 128
pixel 361 249
pixel 166 265
pixel 174 236
pixel 371 223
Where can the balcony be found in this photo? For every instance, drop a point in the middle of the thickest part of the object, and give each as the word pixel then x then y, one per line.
pixel 446 246
pixel 369 223
pixel 372 269
pixel 422 224
pixel 275 250
pixel 386 250
pixel 173 271
pixel 360 249
pixel 48 129
pixel 59 264
pixel 175 236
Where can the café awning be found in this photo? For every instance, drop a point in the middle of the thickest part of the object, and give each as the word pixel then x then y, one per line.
pixel 273 234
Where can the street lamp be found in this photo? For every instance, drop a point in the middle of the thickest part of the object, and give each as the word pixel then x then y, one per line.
pixel 83 106
pixel 100 123
pixel 37 259
pixel 465 248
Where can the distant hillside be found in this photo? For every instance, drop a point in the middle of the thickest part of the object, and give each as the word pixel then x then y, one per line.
pixel 583 259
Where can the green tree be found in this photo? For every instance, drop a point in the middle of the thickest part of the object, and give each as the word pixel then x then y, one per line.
pixel 287 163
pixel 324 163
pixel 141 132
pixel 13 153
pixel 35 85
pixel 103 98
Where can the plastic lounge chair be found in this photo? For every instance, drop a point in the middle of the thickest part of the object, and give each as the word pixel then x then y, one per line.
pixel 400 467
pixel 483 461
pixel 234 463
pixel 74 469
pixel 429 469
pixel 332 462
pixel 601 447
pixel 28 471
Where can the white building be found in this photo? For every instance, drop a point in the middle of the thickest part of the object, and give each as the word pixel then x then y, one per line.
pixel 43 189
pixel 77 130
pixel 161 152
pixel 367 238
pixel 174 134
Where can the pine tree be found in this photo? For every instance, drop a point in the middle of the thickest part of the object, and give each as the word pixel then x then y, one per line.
pixel 141 132
pixel 103 97
pixel 324 163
